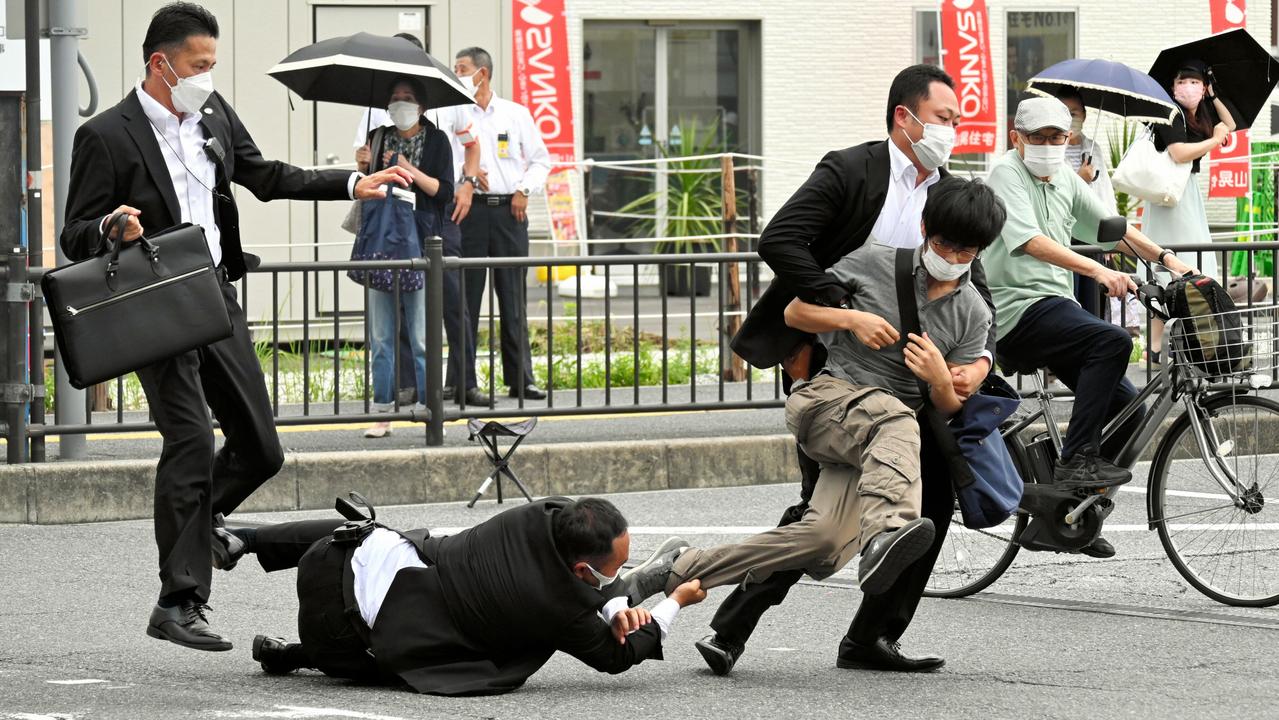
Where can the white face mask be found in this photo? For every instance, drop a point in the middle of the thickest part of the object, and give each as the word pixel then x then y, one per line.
pixel 603 580
pixel 934 146
pixel 468 82
pixel 1076 126
pixel 404 114
pixel 190 94
pixel 940 268
pixel 1043 160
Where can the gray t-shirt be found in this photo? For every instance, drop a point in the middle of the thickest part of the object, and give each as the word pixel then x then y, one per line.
pixel 958 322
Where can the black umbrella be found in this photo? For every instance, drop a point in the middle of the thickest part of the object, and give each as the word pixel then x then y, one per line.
pixel 358 70
pixel 1244 72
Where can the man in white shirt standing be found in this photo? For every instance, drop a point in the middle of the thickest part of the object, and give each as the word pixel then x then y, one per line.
pixel 514 164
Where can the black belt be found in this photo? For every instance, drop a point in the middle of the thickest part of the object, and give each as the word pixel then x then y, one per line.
pixel 493 200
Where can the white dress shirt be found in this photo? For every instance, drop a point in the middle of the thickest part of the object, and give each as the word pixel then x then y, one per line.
pixel 898 222
pixel 375 563
pixel 192 171
pixel 663 613
pixel 519 163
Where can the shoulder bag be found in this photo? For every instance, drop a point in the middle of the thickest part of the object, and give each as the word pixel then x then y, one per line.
pixel 136 304
pixel 1151 175
pixel 982 472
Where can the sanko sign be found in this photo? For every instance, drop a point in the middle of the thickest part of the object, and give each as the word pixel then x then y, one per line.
pixel 541 72
pixel 966 49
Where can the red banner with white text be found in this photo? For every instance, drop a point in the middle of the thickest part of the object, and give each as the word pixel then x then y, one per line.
pixel 541 72
pixel 541 84
pixel 1229 173
pixel 965 33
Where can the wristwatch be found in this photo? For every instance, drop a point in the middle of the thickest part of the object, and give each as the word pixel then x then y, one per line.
pixel 1163 255
pixel 1210 98
pixel 525 192
pixel 474 180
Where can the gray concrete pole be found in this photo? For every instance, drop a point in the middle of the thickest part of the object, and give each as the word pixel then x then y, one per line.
pixel 64 87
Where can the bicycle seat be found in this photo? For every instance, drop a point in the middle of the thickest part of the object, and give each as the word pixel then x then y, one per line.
pixel 1008 367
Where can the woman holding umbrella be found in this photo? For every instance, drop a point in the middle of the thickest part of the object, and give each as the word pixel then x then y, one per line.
pixel 424 151
pixel 1204 123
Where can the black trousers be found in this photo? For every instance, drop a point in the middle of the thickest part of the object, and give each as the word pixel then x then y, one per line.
pixel 1089 355
pixel 491 231
pixel 455 322
pixel 888 614
pixel 328 616
pixel 192 481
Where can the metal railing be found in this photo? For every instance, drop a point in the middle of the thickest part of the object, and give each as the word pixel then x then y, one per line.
pixel 640 351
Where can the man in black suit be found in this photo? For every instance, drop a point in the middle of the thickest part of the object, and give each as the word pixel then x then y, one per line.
pixel 475 613
pixel 871 191
pixel 164 155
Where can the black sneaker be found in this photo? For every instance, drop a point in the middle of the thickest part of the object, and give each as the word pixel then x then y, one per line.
pixel 719 655
pixel 649 577
pixel 890 552
pixel 1086 471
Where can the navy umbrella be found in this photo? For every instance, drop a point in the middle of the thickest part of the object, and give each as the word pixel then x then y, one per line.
pixel 358 70
pixel 1109 87
pixel 1244 73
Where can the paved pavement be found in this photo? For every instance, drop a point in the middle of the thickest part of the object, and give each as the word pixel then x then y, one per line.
pixel 1055 637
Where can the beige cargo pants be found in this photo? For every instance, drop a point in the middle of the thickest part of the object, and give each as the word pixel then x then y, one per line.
pixel 867 442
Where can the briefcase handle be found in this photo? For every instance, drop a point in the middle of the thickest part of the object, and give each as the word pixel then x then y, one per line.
pixel 118 222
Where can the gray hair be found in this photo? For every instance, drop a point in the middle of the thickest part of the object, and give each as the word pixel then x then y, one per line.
pixel 479 57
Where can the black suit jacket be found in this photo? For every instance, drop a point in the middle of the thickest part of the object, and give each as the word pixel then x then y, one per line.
pixel 830 215
pixel 496 603
pixel 116 160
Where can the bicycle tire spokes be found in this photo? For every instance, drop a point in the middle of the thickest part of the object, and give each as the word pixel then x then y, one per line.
pixel 1223 539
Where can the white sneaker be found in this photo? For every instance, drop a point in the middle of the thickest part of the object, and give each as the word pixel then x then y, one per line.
pixel 379 430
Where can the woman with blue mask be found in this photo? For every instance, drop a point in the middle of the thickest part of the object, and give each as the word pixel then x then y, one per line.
pixel 422 149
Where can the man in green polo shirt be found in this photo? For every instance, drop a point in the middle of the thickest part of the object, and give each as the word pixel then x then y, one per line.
pixel 1029 270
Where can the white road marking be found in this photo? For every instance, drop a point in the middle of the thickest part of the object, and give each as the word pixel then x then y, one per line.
pixel 86 681
pixel 33 716
pixel 300 712
pixel 666 530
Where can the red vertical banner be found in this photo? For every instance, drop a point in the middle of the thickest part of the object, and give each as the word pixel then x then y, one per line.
pixel 541 84
pixel 541 72
pixel 965 36
pixel 1229 174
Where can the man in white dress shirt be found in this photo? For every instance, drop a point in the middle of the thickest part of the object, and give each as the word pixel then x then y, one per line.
pixel 514 164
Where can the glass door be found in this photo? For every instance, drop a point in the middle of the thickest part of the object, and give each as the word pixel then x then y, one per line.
pixel 671 89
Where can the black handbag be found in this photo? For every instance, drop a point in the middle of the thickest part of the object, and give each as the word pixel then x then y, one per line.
pixel 137 304
pixel 982 471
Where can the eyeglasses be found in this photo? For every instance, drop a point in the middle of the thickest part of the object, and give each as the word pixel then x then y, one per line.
pixel 1037 139
pixel 947 248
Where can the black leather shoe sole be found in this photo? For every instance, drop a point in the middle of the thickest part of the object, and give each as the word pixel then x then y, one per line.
pixel 1099 548
pixel 529 394
pixel 924 665
pixel 219 645
pixel 719 659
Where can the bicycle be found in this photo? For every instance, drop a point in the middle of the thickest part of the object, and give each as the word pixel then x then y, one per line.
pixel 1213 480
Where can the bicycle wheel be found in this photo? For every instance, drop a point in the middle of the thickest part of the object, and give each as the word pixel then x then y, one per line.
pixel 1228 551
pixel 970 560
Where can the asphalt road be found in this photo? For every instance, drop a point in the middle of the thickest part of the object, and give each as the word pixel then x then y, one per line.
pixel 1056 637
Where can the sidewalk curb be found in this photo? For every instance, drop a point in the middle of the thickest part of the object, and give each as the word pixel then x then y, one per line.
pixel 79 492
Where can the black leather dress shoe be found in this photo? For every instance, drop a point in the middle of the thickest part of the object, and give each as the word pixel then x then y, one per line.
pixel 883 655
pixel 448 392
pixel 227 549
pixel 531 392
pixel 719 655
pixel 272 654
pixel 476 398
pixel 184 624
pixel 1099 548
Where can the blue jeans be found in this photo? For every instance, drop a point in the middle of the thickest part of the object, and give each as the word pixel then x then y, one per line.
pixel 382 315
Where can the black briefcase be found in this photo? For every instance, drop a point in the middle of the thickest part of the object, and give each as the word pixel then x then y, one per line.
pixel 135 305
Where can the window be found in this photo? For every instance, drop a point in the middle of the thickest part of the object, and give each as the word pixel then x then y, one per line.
pixel 1036 40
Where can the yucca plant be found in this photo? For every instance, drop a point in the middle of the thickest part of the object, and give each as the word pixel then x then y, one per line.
pixel 693 202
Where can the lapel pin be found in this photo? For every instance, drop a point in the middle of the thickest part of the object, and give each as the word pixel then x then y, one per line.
pixel 208 111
